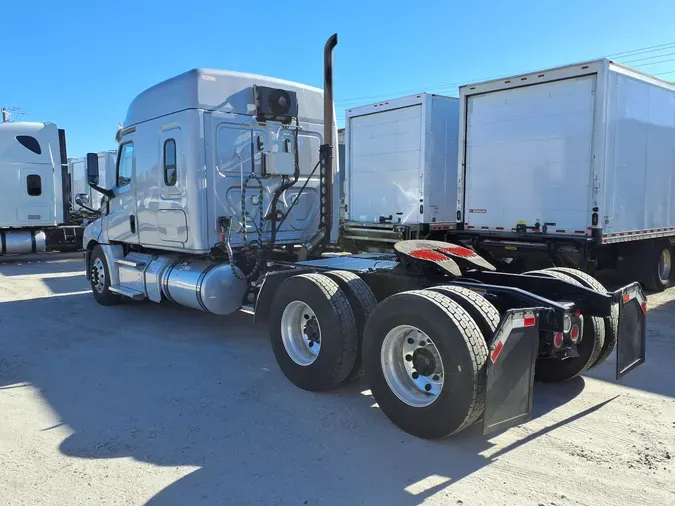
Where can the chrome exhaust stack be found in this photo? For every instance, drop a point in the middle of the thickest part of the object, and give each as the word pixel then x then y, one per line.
pixel 325 154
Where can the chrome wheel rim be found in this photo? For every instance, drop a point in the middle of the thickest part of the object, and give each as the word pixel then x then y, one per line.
pixel 300 333
pixel 665 262
pixel 98 276
pixel 412 366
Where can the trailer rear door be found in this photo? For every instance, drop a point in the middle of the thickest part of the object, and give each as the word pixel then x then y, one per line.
pixel 528 156
pixel 385 160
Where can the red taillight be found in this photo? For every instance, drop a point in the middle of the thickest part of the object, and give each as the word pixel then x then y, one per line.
pixel 626 298
pixel 558 339
pixel 644 307
pixel 574 333
pixel 529 321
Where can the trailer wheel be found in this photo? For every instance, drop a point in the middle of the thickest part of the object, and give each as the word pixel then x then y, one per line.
pixel 313 332
pixel 479 308
pixel 363 302
pixel 555 370
pixel 425 361
pixel 653 264
pixel 611 322
pixel 100 279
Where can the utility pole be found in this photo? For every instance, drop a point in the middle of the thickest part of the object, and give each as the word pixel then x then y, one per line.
pixel 5 115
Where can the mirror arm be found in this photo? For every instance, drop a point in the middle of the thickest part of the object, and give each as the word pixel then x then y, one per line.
pixel 90 209
pixel 108 193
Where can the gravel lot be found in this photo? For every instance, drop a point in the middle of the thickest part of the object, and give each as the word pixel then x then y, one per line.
pixel 142 403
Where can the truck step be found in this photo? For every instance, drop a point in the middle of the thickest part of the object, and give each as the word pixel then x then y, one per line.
pixel 128 292
pixel 130 263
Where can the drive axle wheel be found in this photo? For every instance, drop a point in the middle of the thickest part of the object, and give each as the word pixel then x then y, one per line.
pixel 363 301
pixel 100 279
pixel 611 322
pixel 425 361
pixel 479 308
pixel 652 263
pixel 313 332
pixel 554 370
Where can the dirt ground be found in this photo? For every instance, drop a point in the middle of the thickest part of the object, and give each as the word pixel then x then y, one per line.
pixel 142 403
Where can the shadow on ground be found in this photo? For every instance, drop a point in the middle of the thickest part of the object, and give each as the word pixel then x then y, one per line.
pixel 174 387
pixel 653 375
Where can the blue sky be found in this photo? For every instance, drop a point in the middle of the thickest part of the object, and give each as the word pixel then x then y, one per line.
pixel 79 63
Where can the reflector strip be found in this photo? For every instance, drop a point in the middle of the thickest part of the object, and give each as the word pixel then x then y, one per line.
pixel 459 251
pixel 496 351
pixel 643 306
pixel 626 298
pixel 428 254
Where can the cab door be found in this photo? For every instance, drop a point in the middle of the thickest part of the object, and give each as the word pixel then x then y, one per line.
pixel 121 222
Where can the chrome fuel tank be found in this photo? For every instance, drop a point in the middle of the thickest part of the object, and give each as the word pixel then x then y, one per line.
pixel 19 242
pixel 205 285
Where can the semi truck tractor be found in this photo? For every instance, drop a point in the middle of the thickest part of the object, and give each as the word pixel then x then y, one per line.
pixel 35 195
pixel 226 198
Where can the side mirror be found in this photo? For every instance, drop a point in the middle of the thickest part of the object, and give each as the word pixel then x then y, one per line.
pixel 92 168
pixel 92 176
pixel 82 199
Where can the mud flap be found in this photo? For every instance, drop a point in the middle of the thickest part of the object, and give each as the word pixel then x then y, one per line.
pixel 510 370
pixel 632 335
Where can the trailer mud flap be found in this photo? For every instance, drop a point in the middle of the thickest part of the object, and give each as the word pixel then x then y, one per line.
pixel 632 336
pixel 510 370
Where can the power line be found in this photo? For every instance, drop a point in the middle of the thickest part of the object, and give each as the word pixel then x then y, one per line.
pixel 641 50
pixel 650 57
pixel 635 52
pixel 655 62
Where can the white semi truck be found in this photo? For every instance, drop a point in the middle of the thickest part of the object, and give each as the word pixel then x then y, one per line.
pixel 35 190
pixel 224 198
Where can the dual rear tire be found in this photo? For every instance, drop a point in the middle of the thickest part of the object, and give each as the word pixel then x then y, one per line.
pixel 554 370
pixel 423 353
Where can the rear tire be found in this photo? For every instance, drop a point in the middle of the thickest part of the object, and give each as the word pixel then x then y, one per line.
pixel 456 343
pixel 553 370
pixel 363 302
pixel 611 322
pixel 653 264
pixel 99 274
pixel 313 332
pixel 479 308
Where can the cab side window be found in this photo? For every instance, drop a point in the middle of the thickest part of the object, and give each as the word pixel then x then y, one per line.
pixel 34 185
pixel 125 165
pixel 170 162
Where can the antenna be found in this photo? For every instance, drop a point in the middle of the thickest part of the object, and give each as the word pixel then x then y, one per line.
pixel 17 112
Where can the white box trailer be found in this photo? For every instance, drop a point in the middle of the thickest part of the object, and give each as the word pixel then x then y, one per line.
pixel 79 182
pixel 401 159
pixel 577 161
